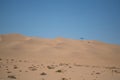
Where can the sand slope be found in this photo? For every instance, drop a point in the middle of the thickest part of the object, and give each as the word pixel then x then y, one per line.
pixel 32 58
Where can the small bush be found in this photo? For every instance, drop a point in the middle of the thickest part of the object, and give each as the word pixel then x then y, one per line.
pixel 116 71
pixel 20 70
pixel 12 77
pixel 50 67
pixel 0 59
pixel 9 72
pixel 64 79
pixel 32 68
pixel 97 73
pixel 15 67
pixel 20 60
pixel 70 67
pixel 59 71
pixel 12 59
pixel 43 73
pixel 26 71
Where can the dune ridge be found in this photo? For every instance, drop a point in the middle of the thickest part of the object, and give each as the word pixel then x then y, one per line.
pixel 52 59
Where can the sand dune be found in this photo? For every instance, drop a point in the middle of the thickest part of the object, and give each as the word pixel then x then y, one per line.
pixel 32 58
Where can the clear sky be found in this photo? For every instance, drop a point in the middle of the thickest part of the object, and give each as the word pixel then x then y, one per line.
pixel 91 19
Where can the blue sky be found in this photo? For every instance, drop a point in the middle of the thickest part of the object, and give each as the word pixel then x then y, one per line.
pixel 91 19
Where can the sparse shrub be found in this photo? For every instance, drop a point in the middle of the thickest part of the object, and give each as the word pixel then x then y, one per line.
pixel 20 60
pixel 15 67
pixel 78 65
pixel 112 67
pixel 26 71
pixel 70 67
pixel 59 71
pixel 116 71
pixel 88 41
pixel 32 68
pixel 43 73
pixel 0 59
pixel 12 59
pixel 12 77
pixel 7 69
pixel 64 79
pixel 50 67
pixel 20 70
pixel 6 66
pixel 42 65
pixel 63 64
pixel 7 60
pixel 9 72
pixel 97 73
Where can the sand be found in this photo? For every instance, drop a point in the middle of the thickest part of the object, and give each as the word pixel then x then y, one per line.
pixel 33 58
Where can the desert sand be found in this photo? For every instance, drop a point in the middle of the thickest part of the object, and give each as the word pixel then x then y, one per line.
pixel 33 58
